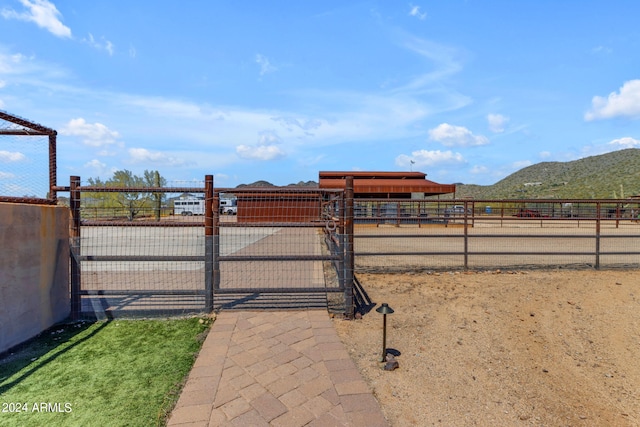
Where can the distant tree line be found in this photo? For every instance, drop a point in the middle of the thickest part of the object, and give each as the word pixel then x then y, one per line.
pixel 132 202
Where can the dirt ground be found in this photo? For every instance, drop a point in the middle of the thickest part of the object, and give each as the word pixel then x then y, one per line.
pixel 503 348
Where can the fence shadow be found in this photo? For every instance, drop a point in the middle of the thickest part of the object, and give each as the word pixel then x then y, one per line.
pixel 41 350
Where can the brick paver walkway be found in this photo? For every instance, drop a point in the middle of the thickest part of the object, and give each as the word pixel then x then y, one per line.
pixel 284 368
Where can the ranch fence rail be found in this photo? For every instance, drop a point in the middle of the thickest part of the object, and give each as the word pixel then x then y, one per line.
pixel 28 158
pixel 133 255
pixel 406 235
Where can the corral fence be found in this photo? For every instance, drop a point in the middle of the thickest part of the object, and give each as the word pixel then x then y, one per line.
pixel 428 234
pixel 132 255
pixel 28 159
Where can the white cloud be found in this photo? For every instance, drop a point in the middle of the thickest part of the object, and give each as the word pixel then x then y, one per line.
pixel 445 61
pixel 544 154
pixel 93 135
pixel 9 63
pixel 268 137
pixel 265 65
pixel 11 156
pixel 479 170
pixel 2 84
pixel 626 103
pixel 260 152
pixel 7 175
pixel 304 124
pixel 601 49
pixel 109 47
pixel 450 136
pixel 626 142
pixel 100 45
pixel 41 12
pixel 415 11
pixel 422 158
pixel 96 165
pixel 497 122
pixel 142 155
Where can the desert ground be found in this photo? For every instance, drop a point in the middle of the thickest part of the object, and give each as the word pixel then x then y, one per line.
pixel 503 348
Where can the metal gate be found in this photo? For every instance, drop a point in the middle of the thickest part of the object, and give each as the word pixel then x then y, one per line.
pixel 285 248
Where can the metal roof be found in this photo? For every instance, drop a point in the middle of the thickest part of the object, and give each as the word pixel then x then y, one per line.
pixel 385 184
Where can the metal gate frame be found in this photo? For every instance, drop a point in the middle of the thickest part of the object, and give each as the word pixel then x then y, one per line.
pixel 77 257
pixel 335 217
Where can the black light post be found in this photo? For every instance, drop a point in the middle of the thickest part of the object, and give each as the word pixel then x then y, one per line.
pixel 384 309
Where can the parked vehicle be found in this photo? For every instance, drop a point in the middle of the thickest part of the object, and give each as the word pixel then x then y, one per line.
pixel 456 210
pixel 228 206
pixel 189 206
pixel 529 213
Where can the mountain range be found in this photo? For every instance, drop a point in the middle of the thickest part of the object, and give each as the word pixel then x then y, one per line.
pixel 614 175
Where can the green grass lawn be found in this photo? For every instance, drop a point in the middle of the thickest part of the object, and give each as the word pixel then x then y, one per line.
pixel 116 373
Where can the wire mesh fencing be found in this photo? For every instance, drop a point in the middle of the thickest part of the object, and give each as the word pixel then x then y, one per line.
pixel 27 161
pixel 132 255
pixel 277 248
pixel 177 250
pixel 401 235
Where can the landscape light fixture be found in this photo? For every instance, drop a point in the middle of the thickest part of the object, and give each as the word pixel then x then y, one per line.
pixel 384 309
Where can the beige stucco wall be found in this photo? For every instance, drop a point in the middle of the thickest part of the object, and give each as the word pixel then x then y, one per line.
pixel 34 270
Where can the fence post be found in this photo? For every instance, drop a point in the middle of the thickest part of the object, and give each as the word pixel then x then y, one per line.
pixel 598 214
pixel 349 258
pixel 216 241
pixel 74 237
pixel 53 195
pixel 208 242
pixel 466 237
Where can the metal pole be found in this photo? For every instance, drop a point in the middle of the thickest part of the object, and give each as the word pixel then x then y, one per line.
pixel 466 238
pixel 216 241
pixel 209 243
pixel 598 236
pixel 74 237
pixel 53 195
pixel 384 338
pixel 349 256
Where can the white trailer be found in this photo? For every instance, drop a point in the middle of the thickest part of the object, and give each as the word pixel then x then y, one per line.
pixel 189 206
pixel 228 206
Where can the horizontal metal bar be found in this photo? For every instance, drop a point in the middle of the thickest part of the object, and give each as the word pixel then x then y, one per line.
pixel 316 224
pixel 478 253
pixel 279 190
pixel 408 236
pixel 279 257
pixel 493 236
pixel 275 290
pixel 23 132
pixel 27 200
pixel 110 292
pixel 100 189
pixel 138 258
pixel 618 253
pixel 358 254
pixel 150 223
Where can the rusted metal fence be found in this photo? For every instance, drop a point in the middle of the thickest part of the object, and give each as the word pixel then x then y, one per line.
pixel 401 235
pixel 285 243
pixel 137 260
pixel 28 160
pixel 282 248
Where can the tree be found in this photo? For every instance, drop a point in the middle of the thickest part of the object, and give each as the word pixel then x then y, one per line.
pixel 153 179
pixel 133 202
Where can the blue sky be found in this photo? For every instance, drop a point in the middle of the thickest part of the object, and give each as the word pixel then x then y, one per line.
pixel 465 91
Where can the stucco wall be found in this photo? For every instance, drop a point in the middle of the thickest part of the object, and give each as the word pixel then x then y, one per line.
pixel 34 270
